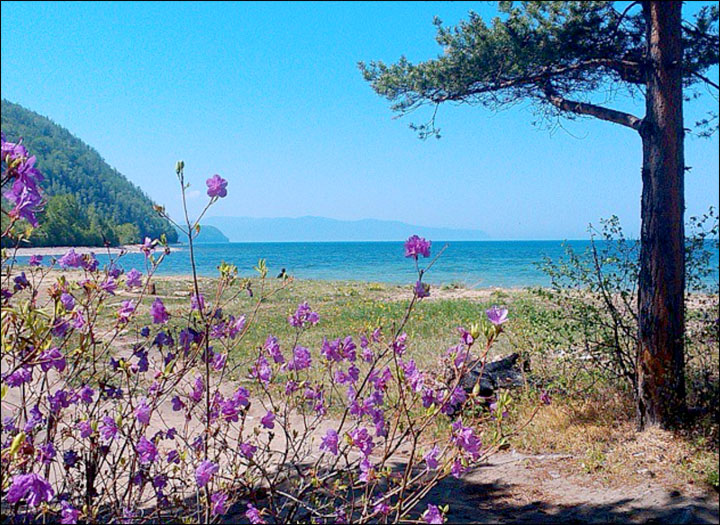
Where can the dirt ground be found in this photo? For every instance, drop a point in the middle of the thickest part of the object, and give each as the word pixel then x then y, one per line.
pixel 517 488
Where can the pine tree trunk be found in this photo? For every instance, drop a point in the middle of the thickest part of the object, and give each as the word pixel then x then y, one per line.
pixel 661 362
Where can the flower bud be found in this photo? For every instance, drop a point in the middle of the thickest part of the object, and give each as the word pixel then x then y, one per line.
pixel 179 166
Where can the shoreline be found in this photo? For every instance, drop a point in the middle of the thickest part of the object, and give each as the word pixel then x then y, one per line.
pixel 82 250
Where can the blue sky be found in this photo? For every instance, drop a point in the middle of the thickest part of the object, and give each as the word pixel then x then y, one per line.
pixel 270 97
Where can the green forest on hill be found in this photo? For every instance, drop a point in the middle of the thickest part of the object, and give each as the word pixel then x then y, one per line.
pixel 89 203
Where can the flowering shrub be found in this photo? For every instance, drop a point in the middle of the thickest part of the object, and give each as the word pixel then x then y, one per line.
pixel 118 409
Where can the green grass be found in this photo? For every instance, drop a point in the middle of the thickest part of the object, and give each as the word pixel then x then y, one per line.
pixel 590 417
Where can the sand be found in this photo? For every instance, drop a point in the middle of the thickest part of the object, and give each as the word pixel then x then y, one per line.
pixel 62 250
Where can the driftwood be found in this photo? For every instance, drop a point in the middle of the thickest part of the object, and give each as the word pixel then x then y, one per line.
pixel 503 372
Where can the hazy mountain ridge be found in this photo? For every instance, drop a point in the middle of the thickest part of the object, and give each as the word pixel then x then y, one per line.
pixel 314 229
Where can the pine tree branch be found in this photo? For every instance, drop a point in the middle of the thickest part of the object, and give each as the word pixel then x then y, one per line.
pixel 706 80
pixel 592 110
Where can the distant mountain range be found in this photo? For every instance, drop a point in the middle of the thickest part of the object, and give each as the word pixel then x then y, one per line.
pixel 314 229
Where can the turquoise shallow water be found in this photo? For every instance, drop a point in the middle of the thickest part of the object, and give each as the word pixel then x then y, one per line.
pixel 479 264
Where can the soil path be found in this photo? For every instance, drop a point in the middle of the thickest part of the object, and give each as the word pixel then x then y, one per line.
pixel 516 488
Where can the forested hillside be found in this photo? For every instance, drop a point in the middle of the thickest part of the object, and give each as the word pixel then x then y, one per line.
pixel 88 202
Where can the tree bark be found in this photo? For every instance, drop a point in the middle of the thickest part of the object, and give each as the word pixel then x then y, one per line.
pixel 661 362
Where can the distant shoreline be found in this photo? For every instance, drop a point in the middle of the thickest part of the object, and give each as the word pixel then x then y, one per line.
pixel 62 250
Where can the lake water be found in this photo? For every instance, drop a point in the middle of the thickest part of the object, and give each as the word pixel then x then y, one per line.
pixel 477 264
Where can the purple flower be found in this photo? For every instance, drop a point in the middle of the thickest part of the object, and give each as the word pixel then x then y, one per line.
pixel 303 316
pixel 218 362
pixel 362 439
pixel 230 408
pixel 218 500
pixel 163 339
pixel 457 469
pixel 142 412
pixel 173 456
pixel 421 290
pixel 497 315
pixel 399 344
pixel 26 199
pixel 433 515
pixel 46 453
pixel 197 302
pixel 301 359
pixel 60 327
pixel 109 285
pixel 69 514
pixel 133 279
pixel 159 481
pixel 205 471
pixel 126 310
pixel 198 443
pixel 268 420
pixel 465 438
pixel 70 458
pixel 146 450
pixel 89 262
pixel 71 259
pixel 415 246
pixel 430 458
pixel 68 301
pixel 86 394
pixel 380 379
pixel 198 390
pixel 177 404
pixel 20 376
pixel 79 321
pixel 330 442
pixel 36 418
pixel 21 282
pixel 35 260
pixel 253 515
pixel 273 348
pixel 247 450
pixel 85 429
pixel 217 186
pixel 34 488
pixel 11 150
pixel 348 349
pixel 382 508
pixel 341 378
pixel 330 350
pixel 158 312
pixel 457 396
pixel 58 401
pixel 148 246
pixel 262 370
pixel 114 271
pixel 52 358
pixel 366 470
pixel 415 378
pixel 108 429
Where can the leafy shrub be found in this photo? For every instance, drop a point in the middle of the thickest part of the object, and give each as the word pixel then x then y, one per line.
pixel 116 412
pixel 596 295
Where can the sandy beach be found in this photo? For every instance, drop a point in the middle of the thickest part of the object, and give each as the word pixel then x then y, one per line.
pixel 62 250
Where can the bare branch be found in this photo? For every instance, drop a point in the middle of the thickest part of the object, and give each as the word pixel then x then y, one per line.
pixel 584 108
pixel 706 80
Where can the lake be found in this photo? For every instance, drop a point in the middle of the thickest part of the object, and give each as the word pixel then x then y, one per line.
pixel 477 264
